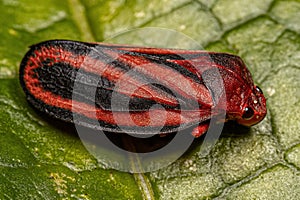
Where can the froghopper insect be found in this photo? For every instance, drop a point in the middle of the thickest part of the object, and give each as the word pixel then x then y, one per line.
pixel 138 78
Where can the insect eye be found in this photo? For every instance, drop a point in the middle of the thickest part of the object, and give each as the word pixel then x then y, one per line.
pixel 248 113
pixel 259 90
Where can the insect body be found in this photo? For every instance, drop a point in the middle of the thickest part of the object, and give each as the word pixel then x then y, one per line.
pixel 111 87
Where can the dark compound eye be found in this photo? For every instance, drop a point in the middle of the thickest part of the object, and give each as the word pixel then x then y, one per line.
pixel 259 90
pixel 248 113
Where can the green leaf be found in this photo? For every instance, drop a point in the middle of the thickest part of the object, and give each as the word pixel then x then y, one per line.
pixel 40 159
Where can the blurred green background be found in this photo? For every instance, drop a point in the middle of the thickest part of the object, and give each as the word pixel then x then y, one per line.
pixel 41 161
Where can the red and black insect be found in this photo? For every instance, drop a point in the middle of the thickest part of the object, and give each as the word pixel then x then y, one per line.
pixel 68 78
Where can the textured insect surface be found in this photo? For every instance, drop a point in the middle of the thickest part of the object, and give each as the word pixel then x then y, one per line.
pixel 113 86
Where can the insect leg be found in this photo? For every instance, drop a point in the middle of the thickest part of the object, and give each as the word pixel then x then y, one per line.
pixel 200 129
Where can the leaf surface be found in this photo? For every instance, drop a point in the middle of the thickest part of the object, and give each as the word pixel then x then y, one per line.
pixel 40 159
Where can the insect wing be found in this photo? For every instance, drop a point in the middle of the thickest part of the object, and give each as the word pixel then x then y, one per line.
pixel 50 69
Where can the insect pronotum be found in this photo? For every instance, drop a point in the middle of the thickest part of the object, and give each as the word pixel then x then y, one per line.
pixel 172 79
